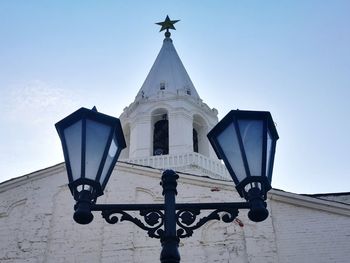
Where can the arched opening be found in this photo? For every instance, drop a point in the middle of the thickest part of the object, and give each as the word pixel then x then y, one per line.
pixel 161 137
pixel 125 152
pixel 200 130
pixel 195 140
pixel 160 132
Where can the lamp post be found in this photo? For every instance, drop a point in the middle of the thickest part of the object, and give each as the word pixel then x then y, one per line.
pixel 92 142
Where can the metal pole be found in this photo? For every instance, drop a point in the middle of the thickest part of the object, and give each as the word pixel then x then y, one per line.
pixel 170 241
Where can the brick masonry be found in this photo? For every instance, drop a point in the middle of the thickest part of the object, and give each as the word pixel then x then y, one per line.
pixel 36 223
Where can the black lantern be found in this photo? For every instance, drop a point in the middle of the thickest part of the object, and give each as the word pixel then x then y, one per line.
pixel 91 143
pixel 246 142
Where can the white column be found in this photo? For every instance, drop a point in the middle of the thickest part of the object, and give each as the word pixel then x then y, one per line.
pixel 180 133
pixel 141 137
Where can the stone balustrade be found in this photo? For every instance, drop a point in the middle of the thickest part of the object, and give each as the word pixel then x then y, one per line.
pixel 185 163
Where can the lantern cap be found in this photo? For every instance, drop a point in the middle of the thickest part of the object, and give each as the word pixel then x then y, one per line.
pixel 92 114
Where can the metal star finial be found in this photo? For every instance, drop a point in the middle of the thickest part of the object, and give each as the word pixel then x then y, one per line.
pixel 166 25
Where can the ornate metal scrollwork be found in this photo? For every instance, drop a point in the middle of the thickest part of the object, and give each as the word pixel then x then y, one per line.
pixel 186 218
pixel 153 220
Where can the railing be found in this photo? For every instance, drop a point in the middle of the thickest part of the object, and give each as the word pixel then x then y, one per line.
pixel 184 162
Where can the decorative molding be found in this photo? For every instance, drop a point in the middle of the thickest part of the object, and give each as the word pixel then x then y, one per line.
pixel 6 210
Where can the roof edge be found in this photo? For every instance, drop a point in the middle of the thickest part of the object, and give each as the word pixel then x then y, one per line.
pixel 42 173
pixel 310 202
pixel 327 194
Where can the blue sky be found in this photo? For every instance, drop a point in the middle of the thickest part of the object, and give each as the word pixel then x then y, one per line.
pixel 288 57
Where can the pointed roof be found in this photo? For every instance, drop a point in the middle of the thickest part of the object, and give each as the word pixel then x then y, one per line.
pixel 167 74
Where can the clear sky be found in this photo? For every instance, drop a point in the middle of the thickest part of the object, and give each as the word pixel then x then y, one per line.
pixel 288 57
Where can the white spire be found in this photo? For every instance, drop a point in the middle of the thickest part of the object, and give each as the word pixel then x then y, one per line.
pixel 167 124
pixel 168 75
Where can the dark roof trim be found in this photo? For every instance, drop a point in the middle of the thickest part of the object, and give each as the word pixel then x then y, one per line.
pixel 327 194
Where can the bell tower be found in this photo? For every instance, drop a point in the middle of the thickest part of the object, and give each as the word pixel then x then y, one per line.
pixel 167 124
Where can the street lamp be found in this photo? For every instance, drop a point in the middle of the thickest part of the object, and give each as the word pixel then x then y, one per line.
pixel 92 142
pixel 246 142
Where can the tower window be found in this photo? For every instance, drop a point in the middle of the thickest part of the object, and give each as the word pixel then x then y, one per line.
pixel 195 141
pixel 188 91
pixel 161 137
pixel 162 86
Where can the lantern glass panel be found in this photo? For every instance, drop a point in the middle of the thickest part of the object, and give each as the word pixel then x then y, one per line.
pixel 252 139
pixel 228 141
pixel 72 135
pixel 97 135
pixel 268 155
pixel 113 149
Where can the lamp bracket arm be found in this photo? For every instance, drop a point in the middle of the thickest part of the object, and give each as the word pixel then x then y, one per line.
pixel 186 215
pixel 200 206
pixel 153 218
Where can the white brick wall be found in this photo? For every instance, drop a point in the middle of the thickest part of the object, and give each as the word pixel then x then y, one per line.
pixel 309 235
pixel 36 224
